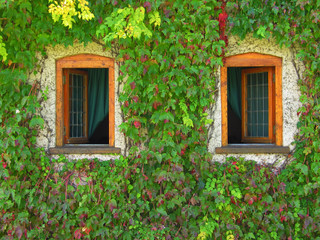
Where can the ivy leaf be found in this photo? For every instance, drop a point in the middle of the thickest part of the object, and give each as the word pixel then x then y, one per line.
pixel 36 121
pixel 187 121
pixel 67 11
pixel 250 235
pixel 3 51
pixel 77 234
pixel 19 232
pixel 304 169
pixel 162 211
pixel 166 116
pixel 315 167
pixel 155 18
pixel 262 31
pixel 26 5
pixel 18 199
pixel 43 39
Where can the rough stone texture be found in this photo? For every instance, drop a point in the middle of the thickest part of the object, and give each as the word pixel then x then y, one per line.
pixel 101 157
pixel 47 79
pixel 291 72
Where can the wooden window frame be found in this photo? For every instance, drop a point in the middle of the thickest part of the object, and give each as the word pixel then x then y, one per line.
pixel 253 60
pixel 82 61
pixel 67 92
pixel 244 137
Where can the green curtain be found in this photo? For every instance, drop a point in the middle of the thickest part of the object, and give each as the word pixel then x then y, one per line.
pixel 234 89
pixel 98 94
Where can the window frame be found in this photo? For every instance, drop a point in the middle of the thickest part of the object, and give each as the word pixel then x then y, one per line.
pixel 244 137
pixel 82 61
pixel 67 102
pixel 253 60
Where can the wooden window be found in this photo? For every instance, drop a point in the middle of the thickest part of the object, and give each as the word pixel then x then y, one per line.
pixel 255 67
pixel 72 98
pixel 257 105
pixel 75 106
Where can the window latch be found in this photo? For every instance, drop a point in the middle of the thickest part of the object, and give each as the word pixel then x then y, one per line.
pixel 64 131
pixel 64 79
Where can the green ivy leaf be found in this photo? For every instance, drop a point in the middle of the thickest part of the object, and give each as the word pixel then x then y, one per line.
pixel 155 18
pixel 36 121
pixel 262 31
pixel 162 211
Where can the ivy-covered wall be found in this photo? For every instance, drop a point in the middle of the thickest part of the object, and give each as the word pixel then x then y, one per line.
pixel 168 187
pixel 291 70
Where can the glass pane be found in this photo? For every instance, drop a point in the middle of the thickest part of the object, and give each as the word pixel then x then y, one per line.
pixel 76 105
pixel 257 102
pixel 260 104
pixel 265 130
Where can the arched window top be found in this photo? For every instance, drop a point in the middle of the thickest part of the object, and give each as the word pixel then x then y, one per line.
pixel 70 65
pixel 85 61
pixel 254 63
pixel 252 59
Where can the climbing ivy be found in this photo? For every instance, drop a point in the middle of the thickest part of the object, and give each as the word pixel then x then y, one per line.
pixel 167 187
pixel 296 26
pixel 67 11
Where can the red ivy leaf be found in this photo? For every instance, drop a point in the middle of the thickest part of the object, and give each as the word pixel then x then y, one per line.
pixel 77 234
pixel 156 104
pixel 157 89
pixel 133 85
pixel 87 230
pixel 222 20
pixel 135 99
pixel 145 177
pixel 145 70
pixel 147 5
pixel 143 58
pixel 137 124
pixel 126 57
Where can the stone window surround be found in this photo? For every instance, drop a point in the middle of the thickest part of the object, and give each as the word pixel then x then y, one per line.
pixel 252 60
pixel 83 61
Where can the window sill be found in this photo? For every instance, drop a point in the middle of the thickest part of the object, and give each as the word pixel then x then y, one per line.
pixel 85 149
pixel 252 149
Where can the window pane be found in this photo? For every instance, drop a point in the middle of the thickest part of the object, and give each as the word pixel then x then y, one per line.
pixel 76 105
pixel 257 104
